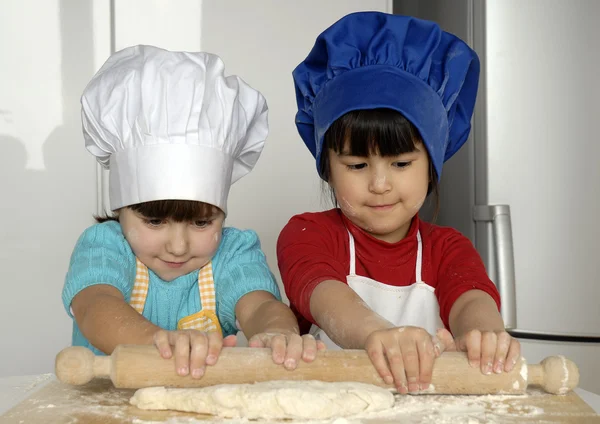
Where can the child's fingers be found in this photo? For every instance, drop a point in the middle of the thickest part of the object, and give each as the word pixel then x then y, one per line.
pixel 198 353
pixel 257 341
pixel 161 341
pixel 278 345
pixel 426 358
pixel 444 342
pixel 321 345
pixel 293 351
pixel 378 359
pixel 215 343
pixel 489 341
pixel 182 352
pixel 501 351
pixel 410 360
pixel 309 348
pixel 472 344
pixel 514 353
pixel 230 341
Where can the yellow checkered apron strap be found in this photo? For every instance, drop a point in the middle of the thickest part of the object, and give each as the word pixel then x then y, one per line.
pixel 140 287
pixel 206 285
pixel 206 319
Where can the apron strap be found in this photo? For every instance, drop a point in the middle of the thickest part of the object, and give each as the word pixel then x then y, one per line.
pixel 419 265
pixel 352 255
pixel 140 287
pixel 206 285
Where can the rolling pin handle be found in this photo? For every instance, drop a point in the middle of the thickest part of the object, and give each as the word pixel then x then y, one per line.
pixel 555 374
pixel 78 365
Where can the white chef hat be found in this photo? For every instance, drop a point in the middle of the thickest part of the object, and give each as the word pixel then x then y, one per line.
pixel 170 125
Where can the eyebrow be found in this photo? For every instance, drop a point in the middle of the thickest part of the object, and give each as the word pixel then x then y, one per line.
pixel 346 153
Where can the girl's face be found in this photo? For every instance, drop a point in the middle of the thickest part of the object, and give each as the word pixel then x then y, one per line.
pixel 379 194
pixel 172 249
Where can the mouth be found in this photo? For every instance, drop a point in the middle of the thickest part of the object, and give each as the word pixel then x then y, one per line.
pixel 382 207
pixel 174 264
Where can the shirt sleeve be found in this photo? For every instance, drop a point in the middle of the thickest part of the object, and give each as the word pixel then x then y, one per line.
pixel 240 268
pixel 461 269
pixel 101 256
pixel 308 254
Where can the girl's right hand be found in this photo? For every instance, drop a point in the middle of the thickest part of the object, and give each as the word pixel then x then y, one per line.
pixel 405 355
pixel 193 349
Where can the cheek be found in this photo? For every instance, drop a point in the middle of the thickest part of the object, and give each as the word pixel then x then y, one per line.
pixel 346 206
pixel 132 235
pixel 419 202
pixel 207 243
pixel 346 195
pixel 142 242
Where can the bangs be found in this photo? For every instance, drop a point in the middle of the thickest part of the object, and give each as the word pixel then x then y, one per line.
pixel 383 132
pixel 176 210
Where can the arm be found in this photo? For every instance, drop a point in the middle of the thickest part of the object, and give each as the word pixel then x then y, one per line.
pixel 268 322
pixel 348 321
pixel 95 309
pixel 471 302
pixel 250 294
pixel 260 312
pixel 474 310
pixel 403 355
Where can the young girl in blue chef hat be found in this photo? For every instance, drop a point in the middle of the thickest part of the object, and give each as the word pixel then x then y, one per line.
pixel 175 133
pixel 383 101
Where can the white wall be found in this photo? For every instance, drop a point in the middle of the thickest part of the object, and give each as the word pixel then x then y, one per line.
pixel 47 179
pixel 48 182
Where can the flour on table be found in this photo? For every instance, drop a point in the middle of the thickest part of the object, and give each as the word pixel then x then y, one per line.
pixel 273 399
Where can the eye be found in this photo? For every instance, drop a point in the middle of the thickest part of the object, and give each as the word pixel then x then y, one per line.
pixel 356 166
pixel 202 223
pixel 401 164
pixel 154 222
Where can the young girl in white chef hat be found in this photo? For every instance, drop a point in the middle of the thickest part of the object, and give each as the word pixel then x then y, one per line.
pixel 383 101
pixel 175 133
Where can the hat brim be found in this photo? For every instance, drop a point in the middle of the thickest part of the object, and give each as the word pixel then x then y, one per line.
pixel 380 86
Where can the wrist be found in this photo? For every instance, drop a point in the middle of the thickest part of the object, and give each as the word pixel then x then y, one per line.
pixel 285 331
pixel 373 324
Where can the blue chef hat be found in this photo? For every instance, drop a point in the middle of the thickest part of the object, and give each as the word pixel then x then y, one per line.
pixel 371 60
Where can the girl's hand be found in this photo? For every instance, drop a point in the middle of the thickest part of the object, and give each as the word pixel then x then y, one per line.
pixel 404 355
pixel 493 351
pixel 288 347
pixel 193 349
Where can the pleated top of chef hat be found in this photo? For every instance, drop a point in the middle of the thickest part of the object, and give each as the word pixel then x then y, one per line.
pixel 171 125
pixel 370 60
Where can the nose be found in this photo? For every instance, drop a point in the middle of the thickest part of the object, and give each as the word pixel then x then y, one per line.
pixel 379 183
pixel 178 242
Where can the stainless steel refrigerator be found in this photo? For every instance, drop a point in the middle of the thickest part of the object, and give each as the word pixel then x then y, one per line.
pixel 525 188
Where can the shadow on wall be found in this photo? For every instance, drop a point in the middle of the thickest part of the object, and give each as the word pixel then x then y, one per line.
pixel 45 211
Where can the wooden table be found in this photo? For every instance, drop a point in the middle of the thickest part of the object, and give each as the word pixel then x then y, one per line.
pixel 99 402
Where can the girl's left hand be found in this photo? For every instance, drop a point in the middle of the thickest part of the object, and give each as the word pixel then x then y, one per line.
pixel 288 347
pixel 493 351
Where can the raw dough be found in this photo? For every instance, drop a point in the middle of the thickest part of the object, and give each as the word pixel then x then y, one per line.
pixel 273 399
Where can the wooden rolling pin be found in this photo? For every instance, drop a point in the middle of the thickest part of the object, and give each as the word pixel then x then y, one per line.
pixel 136 366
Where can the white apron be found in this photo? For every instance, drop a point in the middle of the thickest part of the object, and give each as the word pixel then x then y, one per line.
pixel 414 305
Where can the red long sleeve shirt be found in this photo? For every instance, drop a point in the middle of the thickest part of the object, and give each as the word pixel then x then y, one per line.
pixel 314 247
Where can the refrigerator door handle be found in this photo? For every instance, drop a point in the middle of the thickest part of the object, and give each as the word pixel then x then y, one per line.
pixel 499 217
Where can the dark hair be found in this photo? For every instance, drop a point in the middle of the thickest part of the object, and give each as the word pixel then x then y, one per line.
pixel 385 132
pixel 176 210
